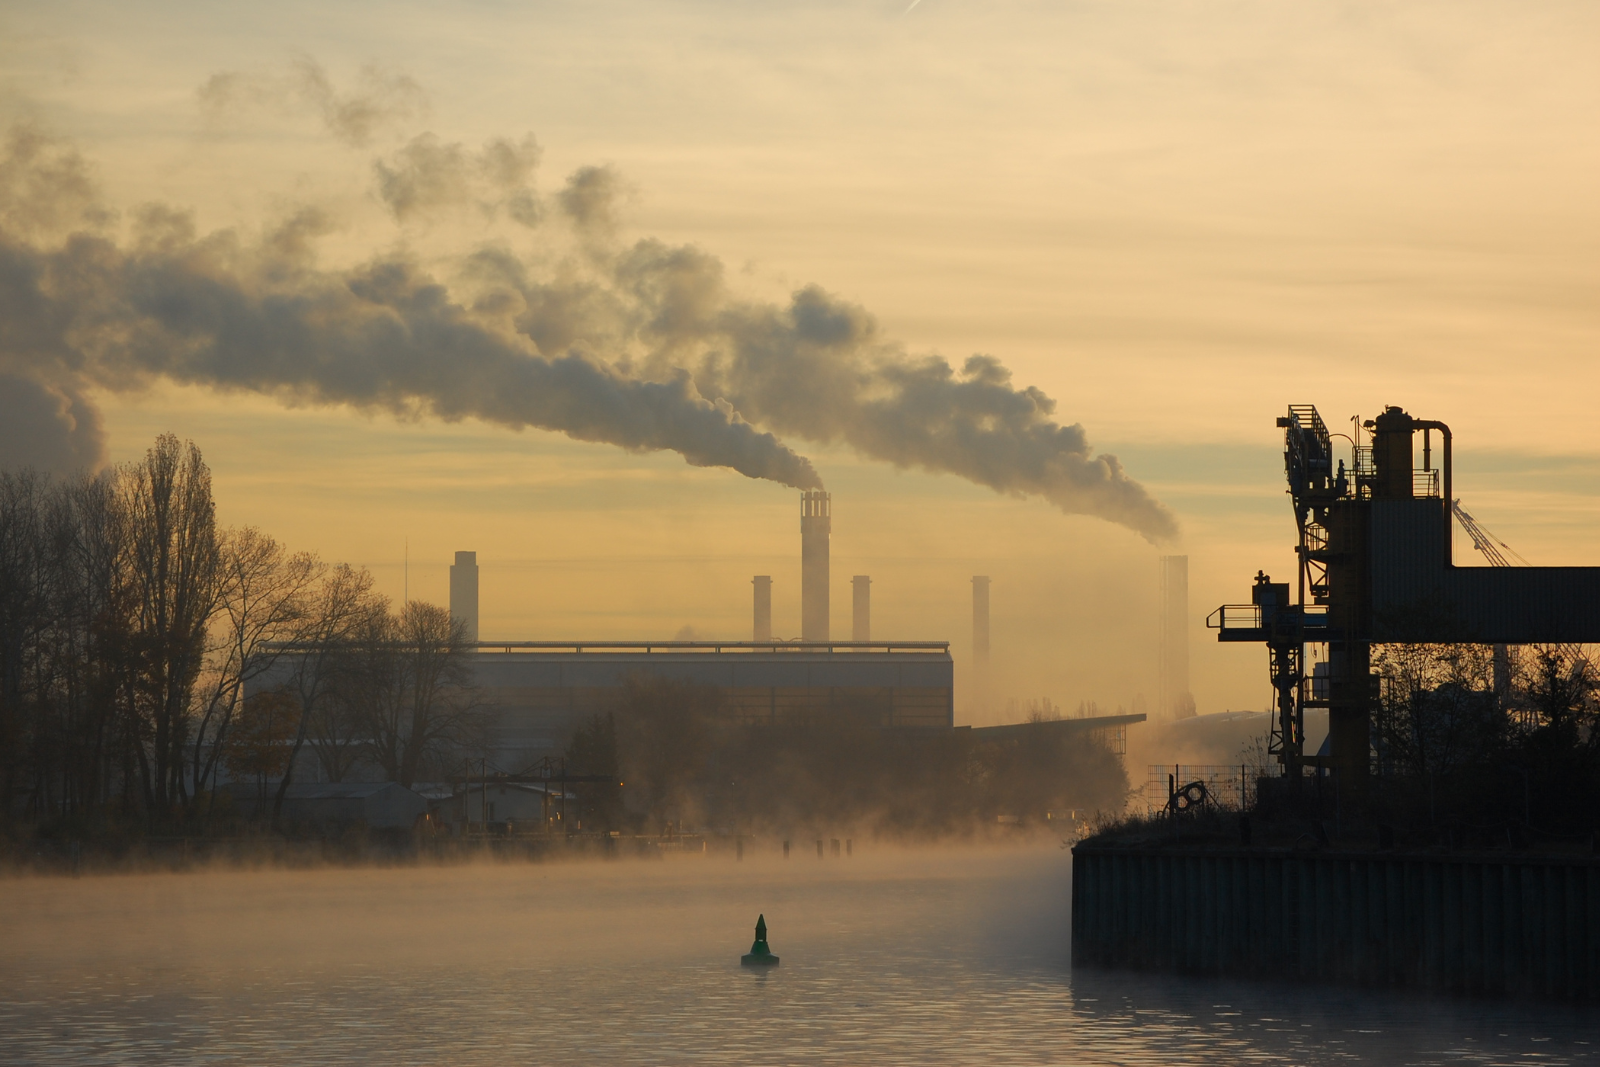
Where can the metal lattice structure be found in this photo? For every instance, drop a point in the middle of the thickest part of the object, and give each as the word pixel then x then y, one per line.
pixel 1374 564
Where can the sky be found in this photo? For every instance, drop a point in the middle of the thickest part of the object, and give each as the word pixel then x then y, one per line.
pixel 1170 219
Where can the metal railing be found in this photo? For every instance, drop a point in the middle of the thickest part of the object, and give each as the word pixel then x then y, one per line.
pixel 636 646
pixel 1235 617
pixel 703 647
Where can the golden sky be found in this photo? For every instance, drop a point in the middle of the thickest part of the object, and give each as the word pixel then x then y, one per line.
pixel 1172 218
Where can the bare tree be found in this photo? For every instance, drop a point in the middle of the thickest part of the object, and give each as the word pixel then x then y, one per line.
pixel 1438 712
pixel 23 619
pixel 429 702
pixel 341 603
pixel 265 604
pixel 361 683
pixel 87 655
pixel 257 747
pixel 175 562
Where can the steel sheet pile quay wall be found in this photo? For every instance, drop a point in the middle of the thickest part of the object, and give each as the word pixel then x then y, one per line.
pixel 1521 926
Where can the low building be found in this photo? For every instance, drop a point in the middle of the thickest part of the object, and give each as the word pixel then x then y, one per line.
pixel 532 695
pixel 517 804
pixel 540 691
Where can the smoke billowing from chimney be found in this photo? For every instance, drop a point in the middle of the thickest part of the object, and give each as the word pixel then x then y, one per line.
pixel 385 336
pixel 640 346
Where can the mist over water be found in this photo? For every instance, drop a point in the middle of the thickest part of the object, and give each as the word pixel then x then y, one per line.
pixel 957 955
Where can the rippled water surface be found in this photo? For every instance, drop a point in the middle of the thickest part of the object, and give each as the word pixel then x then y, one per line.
pixel 937 957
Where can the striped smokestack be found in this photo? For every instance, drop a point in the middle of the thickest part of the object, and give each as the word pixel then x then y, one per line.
pixel 816 523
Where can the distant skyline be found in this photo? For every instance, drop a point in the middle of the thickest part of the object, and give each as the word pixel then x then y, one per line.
pixel 1173 220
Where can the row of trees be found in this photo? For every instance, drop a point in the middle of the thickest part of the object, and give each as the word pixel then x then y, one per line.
pixel 1485 736
pixel 132 628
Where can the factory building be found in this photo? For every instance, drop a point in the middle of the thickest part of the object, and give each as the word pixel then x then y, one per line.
pixel 539 692
pixel 533 695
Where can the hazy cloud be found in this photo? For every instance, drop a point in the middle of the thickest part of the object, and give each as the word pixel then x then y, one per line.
pixel 380 98
pixel 45 186
pixel 427 175
pixel 644 348
pixel 590 198
pixel 818 369
pixel 209 310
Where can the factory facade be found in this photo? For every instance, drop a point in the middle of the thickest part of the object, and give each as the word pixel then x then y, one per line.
pixel 538 693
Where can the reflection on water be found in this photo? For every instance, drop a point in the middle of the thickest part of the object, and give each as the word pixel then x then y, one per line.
pixel 928 958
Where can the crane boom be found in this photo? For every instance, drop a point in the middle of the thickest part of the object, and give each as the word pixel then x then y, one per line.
pixel 1483 540
pixel 1491 546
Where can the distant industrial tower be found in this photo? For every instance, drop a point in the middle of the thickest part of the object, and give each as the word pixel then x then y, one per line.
pixel 464 592
pixel 980 618
pixel 861 608
pixel 816 523
pixel 763 624
pixel 1176 700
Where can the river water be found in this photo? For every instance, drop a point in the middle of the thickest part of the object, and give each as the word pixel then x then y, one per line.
pixel 955 956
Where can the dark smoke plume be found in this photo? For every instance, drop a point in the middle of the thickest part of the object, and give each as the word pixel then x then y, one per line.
pixel 386 336
pixel 818 369
pixel 427 175
pixel 642 347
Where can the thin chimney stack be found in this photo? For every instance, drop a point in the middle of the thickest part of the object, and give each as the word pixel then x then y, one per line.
pixel 763 606
pixel 980 618
pixel 464 592
pixel 861 608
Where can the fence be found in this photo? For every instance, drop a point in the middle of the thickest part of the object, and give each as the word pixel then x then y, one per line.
pixel 1227 786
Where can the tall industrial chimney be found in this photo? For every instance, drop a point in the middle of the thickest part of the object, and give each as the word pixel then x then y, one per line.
pixel 980 618
pixel 763 626
pixel 464 592
pixel 1176 700
pixel 861 608
pixel 816 523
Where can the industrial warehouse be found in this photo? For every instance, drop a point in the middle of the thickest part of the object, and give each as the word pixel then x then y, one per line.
pixel 873 717
pixel 538 692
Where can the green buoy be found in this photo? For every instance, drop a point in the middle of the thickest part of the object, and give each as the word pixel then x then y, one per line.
pixel 760 955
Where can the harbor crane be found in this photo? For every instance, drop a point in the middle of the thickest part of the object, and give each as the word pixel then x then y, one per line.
pixel 1374 562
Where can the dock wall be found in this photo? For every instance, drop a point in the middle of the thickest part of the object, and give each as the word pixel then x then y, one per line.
pixel 1496 926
